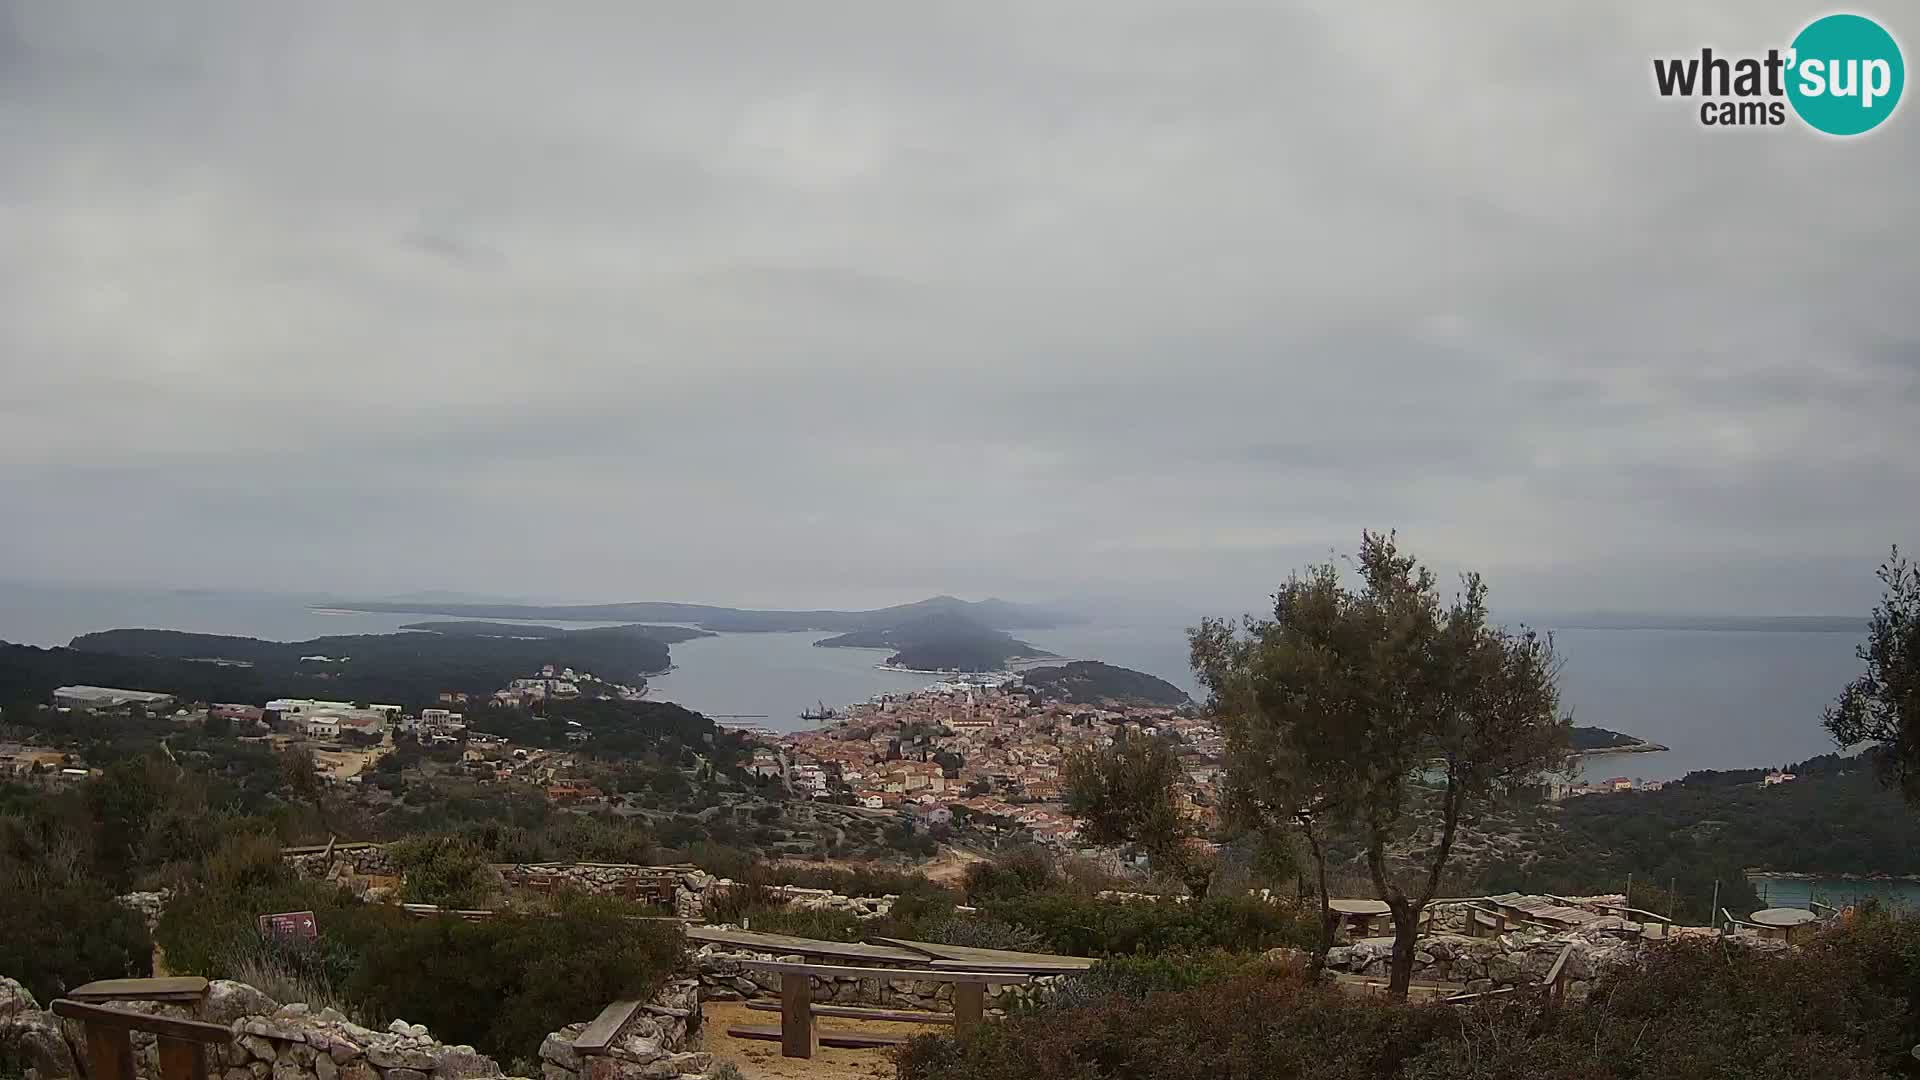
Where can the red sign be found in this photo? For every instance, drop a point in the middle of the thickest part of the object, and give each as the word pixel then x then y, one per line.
pixel 290 926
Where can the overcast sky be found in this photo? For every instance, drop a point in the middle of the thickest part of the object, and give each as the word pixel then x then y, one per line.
pixel 785 304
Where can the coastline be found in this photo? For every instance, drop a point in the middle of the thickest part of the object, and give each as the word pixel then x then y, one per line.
pixel 1797 875
pixel 1639 747
pixel 883 666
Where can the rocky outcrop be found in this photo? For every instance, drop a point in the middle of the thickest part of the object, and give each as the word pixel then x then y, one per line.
pixel 31 1041
pixel 649 1046
pixel 148 904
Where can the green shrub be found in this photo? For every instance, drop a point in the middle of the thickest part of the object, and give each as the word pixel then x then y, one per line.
pixel 824 925
pixel 1021 872
pixel 55 936
pixel 499 984
pixel 1083 926
pixel 1842 1008
pixel 1253 1026
pixel 502 984
pixel 445 870
pixel 1137 976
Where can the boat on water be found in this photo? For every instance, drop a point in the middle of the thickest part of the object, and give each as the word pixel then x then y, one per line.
pixel 820 712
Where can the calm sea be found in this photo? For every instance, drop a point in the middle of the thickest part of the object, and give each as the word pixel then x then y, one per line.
pixel 1719 699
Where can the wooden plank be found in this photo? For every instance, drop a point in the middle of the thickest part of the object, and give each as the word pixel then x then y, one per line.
pixel 834 971
pixel 181 1059
pixel 1505 991
pixel 183 987
pixel 855 1012
pixel 606 1027
pixel 991 959
pixel 109 1051
pixel 796 1015
pixel 120 1019
pixel 1555 987
pixel 1008 969
pixel 969 1007
pixel 839 1040
pixel 787 943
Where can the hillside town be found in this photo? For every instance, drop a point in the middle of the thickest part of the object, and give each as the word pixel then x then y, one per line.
pixel 983 749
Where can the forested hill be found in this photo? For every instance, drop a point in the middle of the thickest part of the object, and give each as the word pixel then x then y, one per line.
pixel 666 635
pixel 942 641
pixel 1093 682
pixel 403 669
pixel 1001 614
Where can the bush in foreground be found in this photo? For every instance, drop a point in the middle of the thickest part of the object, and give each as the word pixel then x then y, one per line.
pixel 1083 926
pixel 1841 1009
pixel 500 984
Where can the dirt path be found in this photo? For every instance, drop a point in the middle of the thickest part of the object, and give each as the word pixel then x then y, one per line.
pixel 759 1060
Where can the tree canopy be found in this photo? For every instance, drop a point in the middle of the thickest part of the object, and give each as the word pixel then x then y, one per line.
pixel 1354 701
pixel 1882 705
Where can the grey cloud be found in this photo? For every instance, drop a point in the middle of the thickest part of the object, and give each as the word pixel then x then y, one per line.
pixel 852 302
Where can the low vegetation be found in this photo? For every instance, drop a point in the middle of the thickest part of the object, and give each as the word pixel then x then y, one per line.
pixel 499 984
pixel 1843 1008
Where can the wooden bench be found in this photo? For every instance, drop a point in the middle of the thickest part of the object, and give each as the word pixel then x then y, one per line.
pixel 182 1043
pixel 796 1033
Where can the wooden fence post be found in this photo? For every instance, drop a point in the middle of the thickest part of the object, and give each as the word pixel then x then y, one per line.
pixel 796 1015
pixel 969 1006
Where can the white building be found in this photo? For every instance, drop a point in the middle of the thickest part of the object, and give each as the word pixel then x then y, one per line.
pixel 107 697
pixel 289 708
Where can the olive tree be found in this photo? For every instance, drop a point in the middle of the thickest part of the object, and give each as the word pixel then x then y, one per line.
pixel 1276 779
pixel 1126 794
pixel 1882 705
pixel 1367 704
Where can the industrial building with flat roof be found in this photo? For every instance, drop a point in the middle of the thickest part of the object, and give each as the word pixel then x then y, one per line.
pixel 108 697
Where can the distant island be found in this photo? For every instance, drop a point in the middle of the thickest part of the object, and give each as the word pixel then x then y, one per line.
pixel 998 614
pixel 409 668
pixel 1766 624
pixel 1596 740
pixel 666 635
pixel 940 641
pixel 1094 682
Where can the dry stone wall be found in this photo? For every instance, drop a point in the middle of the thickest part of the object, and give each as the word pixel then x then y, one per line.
pixel 691 888
pixel 297 1042
pixel 1521 958
pixel 366 860
pixel 647 1047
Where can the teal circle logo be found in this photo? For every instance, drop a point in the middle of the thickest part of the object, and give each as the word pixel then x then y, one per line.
pixel 1845 75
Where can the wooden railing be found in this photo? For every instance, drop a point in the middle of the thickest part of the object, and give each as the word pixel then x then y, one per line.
pixel 182 1043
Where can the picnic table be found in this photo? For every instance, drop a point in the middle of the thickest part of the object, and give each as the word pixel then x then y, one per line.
pixel 1358 916
pixel 1780 921
pixel 797 1035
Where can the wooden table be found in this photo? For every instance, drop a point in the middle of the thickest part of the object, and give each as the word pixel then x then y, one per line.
pixel 1359 915
pixel 1781 919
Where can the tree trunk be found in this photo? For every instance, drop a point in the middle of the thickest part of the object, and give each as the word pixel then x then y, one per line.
pixel 1406 937
pixel 1318 962
pixel 1406 924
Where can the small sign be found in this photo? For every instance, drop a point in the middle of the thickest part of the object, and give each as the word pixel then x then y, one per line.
pixel 291 926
